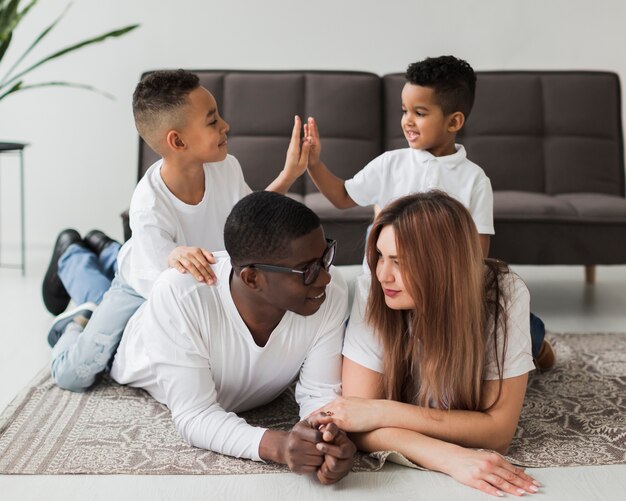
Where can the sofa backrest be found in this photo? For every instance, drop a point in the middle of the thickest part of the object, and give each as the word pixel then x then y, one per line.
pixel 539 131
pixel 260 107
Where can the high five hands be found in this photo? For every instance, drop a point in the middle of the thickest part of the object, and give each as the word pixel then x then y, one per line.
pixel 304 150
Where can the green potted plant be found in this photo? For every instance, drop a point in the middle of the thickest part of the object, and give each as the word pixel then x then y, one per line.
pixel 11 80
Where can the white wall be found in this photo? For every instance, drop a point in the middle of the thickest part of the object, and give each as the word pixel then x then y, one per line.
pixel 80 167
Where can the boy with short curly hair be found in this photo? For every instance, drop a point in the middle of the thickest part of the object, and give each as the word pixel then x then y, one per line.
pixel 437 99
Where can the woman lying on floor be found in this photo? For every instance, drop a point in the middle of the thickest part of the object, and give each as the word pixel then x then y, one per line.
pixel 438 350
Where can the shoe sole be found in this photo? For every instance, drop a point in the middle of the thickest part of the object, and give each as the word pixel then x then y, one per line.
pixel 55 297
pixel 62 321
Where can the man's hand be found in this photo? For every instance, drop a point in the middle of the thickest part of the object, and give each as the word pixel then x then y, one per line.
pixel 312 135
pixel 338 451
pixel 300 452
pixel 194 260
pixel 296 448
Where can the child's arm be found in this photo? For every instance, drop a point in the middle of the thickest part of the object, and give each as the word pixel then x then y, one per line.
pixel 295 163
pixel 194 260
pixel 332 187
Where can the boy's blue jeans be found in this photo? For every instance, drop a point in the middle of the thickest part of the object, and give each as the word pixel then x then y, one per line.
pixel 85 275
pixel 78 357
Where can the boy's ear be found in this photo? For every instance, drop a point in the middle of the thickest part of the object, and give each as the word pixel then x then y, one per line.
pixel 456 121
pixel 174 141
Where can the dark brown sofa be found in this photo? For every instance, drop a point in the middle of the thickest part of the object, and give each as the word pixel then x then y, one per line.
pixel 551 143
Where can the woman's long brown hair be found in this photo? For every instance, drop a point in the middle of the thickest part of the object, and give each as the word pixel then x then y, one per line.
pixel 435 354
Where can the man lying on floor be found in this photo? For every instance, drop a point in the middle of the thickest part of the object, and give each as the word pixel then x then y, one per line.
pixel 274 316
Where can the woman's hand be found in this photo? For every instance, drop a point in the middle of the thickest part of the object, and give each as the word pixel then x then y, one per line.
pixel 352 414
pixel 489 472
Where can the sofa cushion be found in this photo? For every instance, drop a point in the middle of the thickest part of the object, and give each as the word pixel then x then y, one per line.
pixel 327 212
pixel 597 207
pixel 509 205
pixel 574 207
pixel 347 226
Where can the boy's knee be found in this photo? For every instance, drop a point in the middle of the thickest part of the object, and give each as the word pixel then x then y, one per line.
pixel 75 379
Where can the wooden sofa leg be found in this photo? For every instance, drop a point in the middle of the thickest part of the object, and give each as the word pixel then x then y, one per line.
pixel 590 274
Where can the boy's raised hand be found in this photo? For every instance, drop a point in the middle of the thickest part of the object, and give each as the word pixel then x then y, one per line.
pixel 297 153
pixel 194 260
pixel 295 163
pixel 312 134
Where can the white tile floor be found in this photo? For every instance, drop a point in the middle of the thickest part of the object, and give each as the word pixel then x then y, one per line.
pixel 559 296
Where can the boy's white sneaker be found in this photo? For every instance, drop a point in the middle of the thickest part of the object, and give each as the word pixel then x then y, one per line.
pixel 81 315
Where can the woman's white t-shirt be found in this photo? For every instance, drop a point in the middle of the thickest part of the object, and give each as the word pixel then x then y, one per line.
pixel 361 345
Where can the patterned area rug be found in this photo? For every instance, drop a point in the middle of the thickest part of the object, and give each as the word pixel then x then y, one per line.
pixel 574 414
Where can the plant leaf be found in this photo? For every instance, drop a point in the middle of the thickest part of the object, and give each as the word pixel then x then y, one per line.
pixel 8 14
pixel 34 44
pixel 4 45
pixel 19 87
pixel 100 38
pixel 10 18
pixel 13 89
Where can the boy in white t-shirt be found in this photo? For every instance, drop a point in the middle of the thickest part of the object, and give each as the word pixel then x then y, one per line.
pixel 177 212
pixel 436 101
pixel 276 315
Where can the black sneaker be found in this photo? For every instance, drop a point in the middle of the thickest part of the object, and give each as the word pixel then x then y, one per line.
pixel 97 241
pixel 55 297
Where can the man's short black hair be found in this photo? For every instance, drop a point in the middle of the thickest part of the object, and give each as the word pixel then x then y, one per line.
pixel 262 225
pixel 452 79
pixel 158 99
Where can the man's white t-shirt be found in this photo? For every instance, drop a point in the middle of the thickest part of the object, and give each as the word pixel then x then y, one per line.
pixel 190 349
pixel 397 173
pixel 160 222
pixel 361 345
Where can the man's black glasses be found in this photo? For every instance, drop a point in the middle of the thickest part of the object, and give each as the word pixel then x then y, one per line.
pixel 311 271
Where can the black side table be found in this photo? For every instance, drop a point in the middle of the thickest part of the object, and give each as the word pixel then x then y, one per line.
pixel 19 149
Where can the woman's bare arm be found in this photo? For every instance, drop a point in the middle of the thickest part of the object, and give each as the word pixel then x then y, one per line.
pixel 363 409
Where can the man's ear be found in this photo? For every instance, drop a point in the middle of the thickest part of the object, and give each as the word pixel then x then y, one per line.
pixel 251 278
pixel 174 141
pixel 456 121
